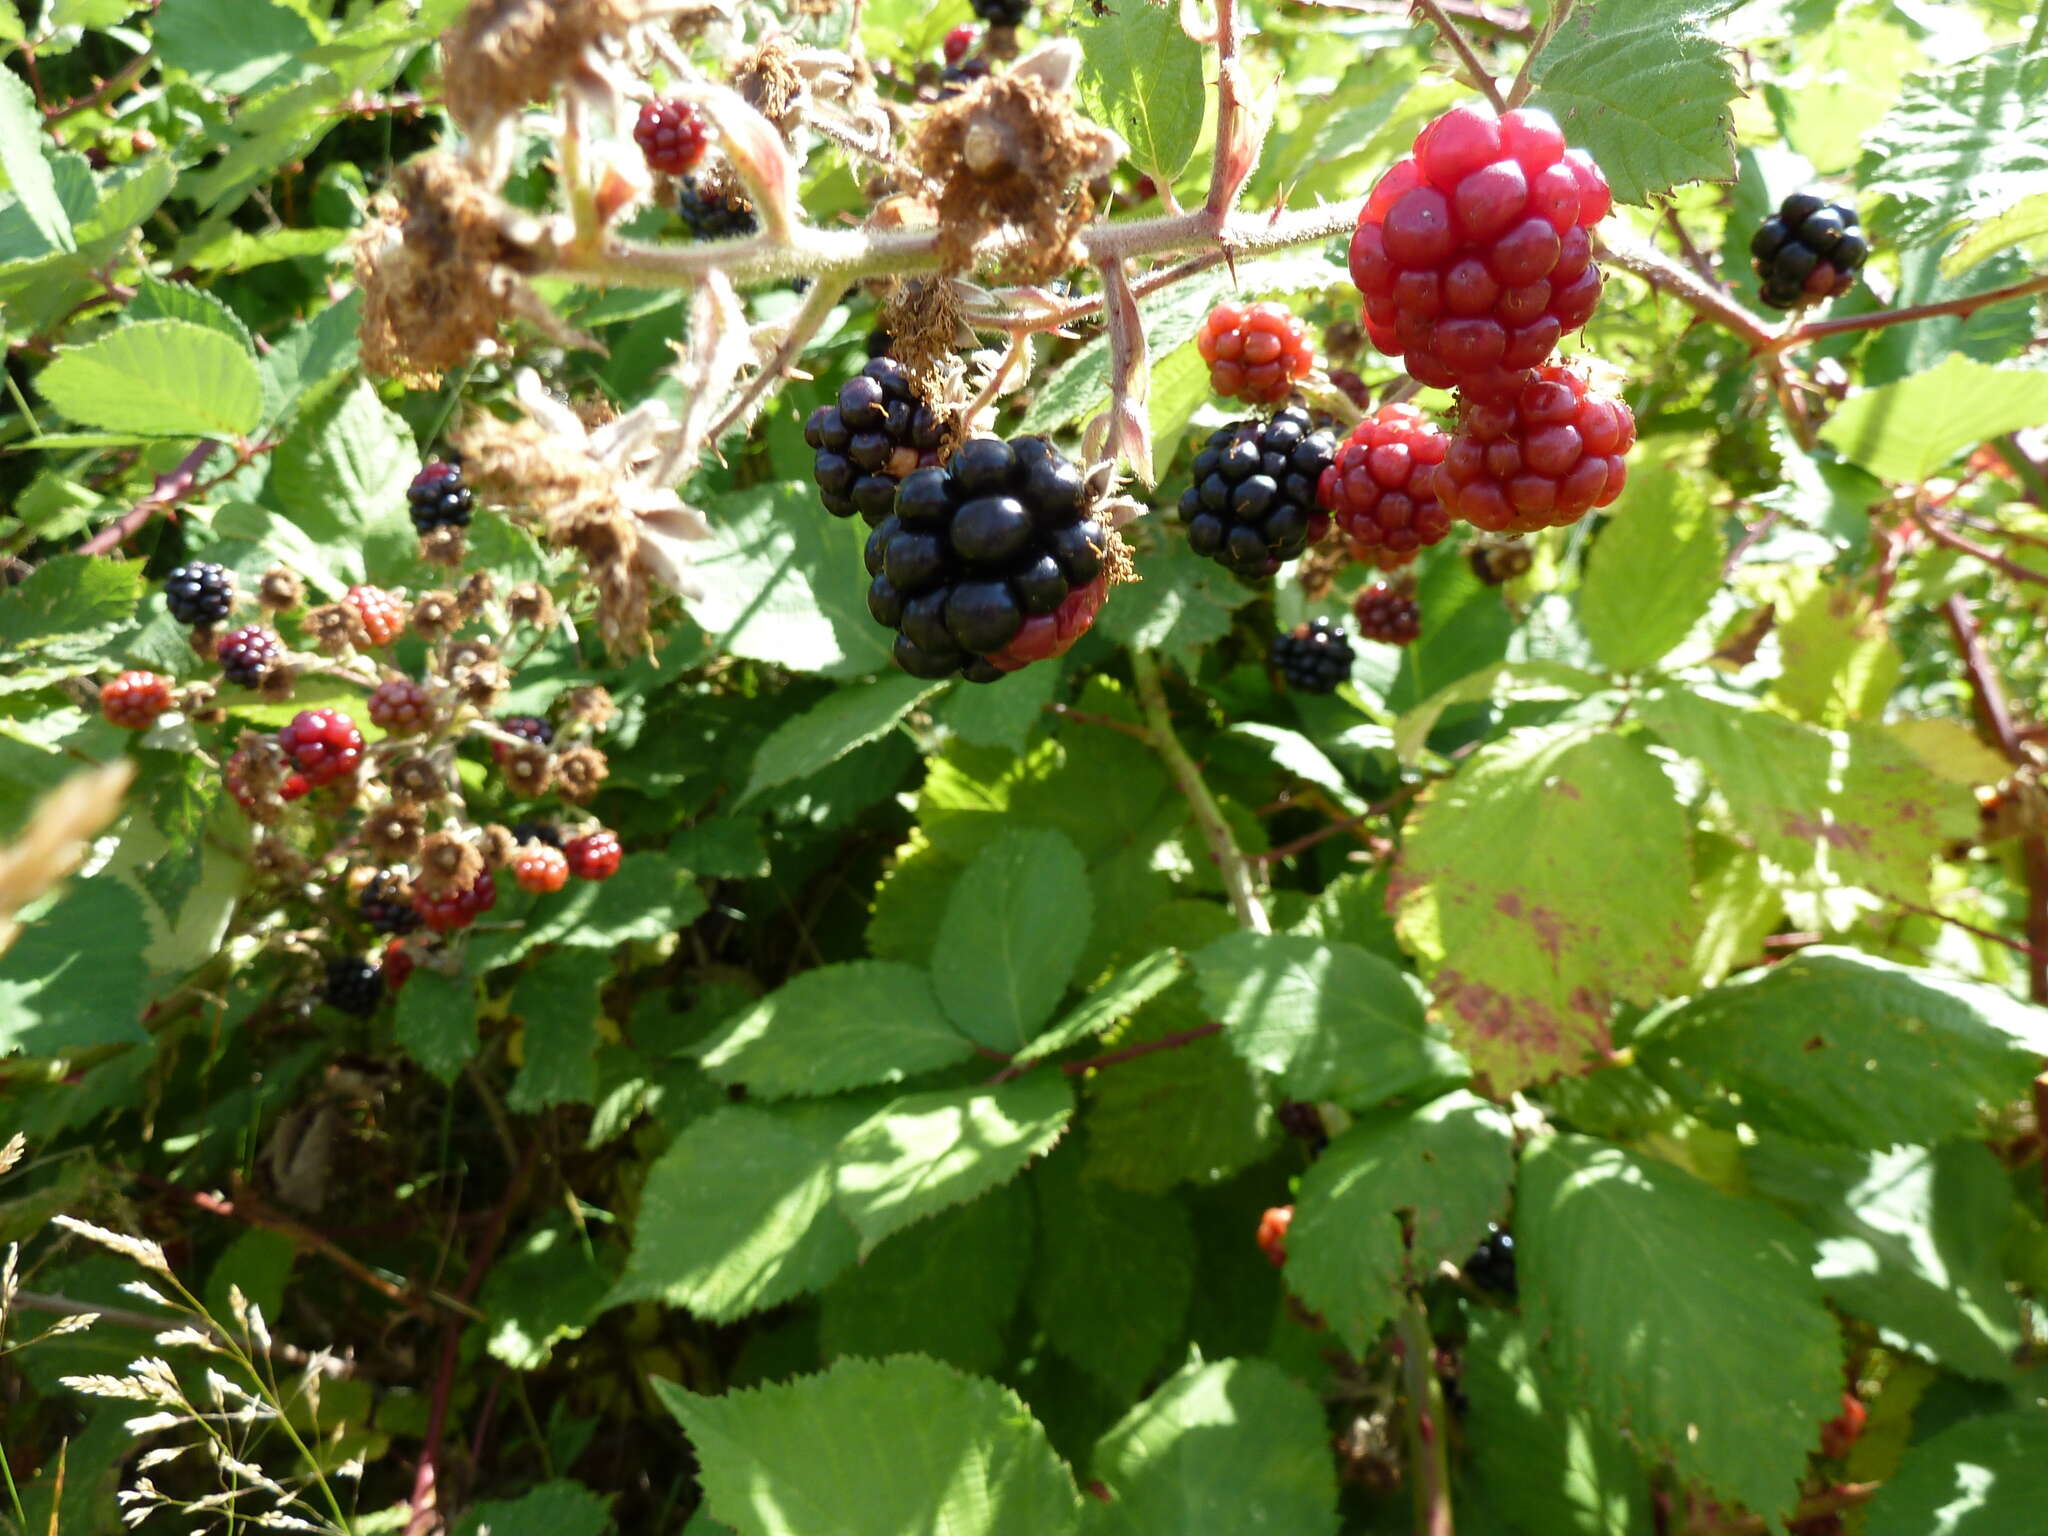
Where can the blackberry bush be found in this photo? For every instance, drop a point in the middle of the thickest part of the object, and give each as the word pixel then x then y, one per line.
pixel 1808 251
pixel 990 562
pixel 1252 506
pixel 200 594
pixel 867 440
pixel 1313 657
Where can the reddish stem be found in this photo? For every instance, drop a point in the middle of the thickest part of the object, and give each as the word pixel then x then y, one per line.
pixel 1172 1042
pixel 1976 551
pixel 1969 304
pixel 169 490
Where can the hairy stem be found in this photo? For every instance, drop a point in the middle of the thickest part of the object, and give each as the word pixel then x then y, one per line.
pixel 1969 304
pixel 1476 74
pixel 1524 83
pixel 1671 276
pixel 1429 1461
pixel 1236 870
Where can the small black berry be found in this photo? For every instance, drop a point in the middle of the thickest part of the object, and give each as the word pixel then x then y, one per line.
pixel 1314 657
pixel 1002 13
pixel 1251 503
pixel 354 986
pixel 385 909
pixel 1809 250
pixel 437 498
pixel 713 212
pixel 1492 1265
pixel 200 593
pixel 874 434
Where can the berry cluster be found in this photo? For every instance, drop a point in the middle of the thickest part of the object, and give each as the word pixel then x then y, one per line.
pixel 134 700
pixel 1492 1265
pixel 1542 458
pixel 869 439
pixel 1472 252
pixel 1809 250
pixel 540 869
pixel 1387 614
pixel 400 707
pixel 714 210
pixel 593 856
pixel 1255 353
pixel 200 594
pixel 1313 657
pixel 437 498
pixel 1381 487
pixel 246 655
pixel 988 563
pixel 528 728
pixel 671 135
pixel 385 908
pixel 1252 505
pixel 1274 1223
pixel 450 910
pixel 383 613
pixel 323 744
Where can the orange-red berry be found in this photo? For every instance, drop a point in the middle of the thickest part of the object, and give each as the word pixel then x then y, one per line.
pixel 1255 352
pixel 134 699
pixel 540 869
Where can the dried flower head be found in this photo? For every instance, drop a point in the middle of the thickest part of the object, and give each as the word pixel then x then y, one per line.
pixel 531 603
pixel 928 334
pixel 479 588
pixel 579 771
pixel 279 679
pixel 443 264
pixel 417 778
pixel 605 494
pixel 280 589
pixel 528 770
pixel 474 651
pixel 589 705
pixel 1011 154
pixel 769 81
pixel 435 614
pixel 483 684
pixel 336 629
pixel 393 832
pixel 500 847
pixel 197 702
pixel 505 54
pixel 272 858
pixel 447 546
pixel 448 862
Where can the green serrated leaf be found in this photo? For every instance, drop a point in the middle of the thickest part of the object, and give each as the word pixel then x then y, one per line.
pixel 836 1027
pixel 924 1152
pixel 1141 74
pixel 1502 682
pixel 1654 570
pixel 886 1447
pixel 1179 603
pixel 342 470
pixel 1682 1315
pixel 557 1002
pixel 27 168
pixel 1908 430
pixel 1329 1021
pixel 737 1215
pixel 436 1021
pixel 947 1287
pixel 1532 939
pixel 1983 1477
pixel 557 1508
pixel 1962 143
pixel 1221 1449
pixel 1390 1199
pixel 648 897
pixel 1096 1240
pixel 70 603
pixel 1014 926
pixel 1832 1045
pixel 1115 1000
pixel 58 994
pixel 245 50
pixel 165 378
pixel 844 719
pixel 2025 223
pixel 1000 717
pixel 158 299
pixel 1642 87
pixel 545 1290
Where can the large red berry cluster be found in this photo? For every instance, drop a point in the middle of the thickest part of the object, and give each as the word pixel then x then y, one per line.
pixel 1472 252
pixel 1255 352
pixel 457 909
pixel 134 699
pixel 594 856
pixel 671 135
pixel 323 744
pixel 540 869
pixel 1381 488
pixel 1541 459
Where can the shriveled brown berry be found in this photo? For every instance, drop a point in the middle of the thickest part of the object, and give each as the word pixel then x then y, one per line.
pixel 579 771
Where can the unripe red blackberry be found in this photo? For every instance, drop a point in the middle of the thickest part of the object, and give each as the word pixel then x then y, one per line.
pixel 540 869
pixel 990 563
pixel 866 441
pixel 323 744
pixel 1252 504
pixel 134 700
pixel 457 909
pixel 1541 459
pixel 1313 657
pixel 383 613
pixel 1255 352
pixel 671 135
pixel 1809 250
pixel 1380 489
pixel 1273 1227
pixel 200 593
pixel 593 856
pixel 247 654
pixel 1496 564
pixel 959 42
pixel 1473 252
pixel 398 965
pixel 437 498
pixel 1388 615
pixel 400 707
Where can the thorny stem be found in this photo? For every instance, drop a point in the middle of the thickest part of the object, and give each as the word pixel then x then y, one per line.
pixel 1237 150
pixel 1128 434
pixel 1524 81
pixel 168 491
pixel 824 298
pixel 1429 1444
pixel 1976 551
pixel 1969 304
pixel 1682 283
pixel 1476 74
pixel 1235 869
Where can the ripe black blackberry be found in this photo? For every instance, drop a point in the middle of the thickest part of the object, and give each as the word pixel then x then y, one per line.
pixel 387 906
pixel 354 985
pixel 715 211
pixel 1252 505
pixel 437 498
pixel 200 593
pixel 1809 250
pixel 247 654
pixel 1492 1265
pixel 1313 657
pixel 990 562
pixel 865 443
pixel 1002 13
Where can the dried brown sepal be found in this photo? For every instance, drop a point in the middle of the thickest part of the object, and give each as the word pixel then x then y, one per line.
pixel 448 862
pixel 1117 565
pixel 1317 571
pixel 278 681
pixel 203 639
pixel 1010 154
pixel 336 629
pixel 482 685
pixel 769 82
pixel 436 615
pixel 927 334
pixel 274 859
pixel 499 846
pixel 197 702
pixel 504 54
pixel 417 778
pixel 589 705
pixel 280 589
pixel 579 771
pixel 476 590
pixel 446 547
pixel 528 770
pixel 393 832
pixel 531 603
